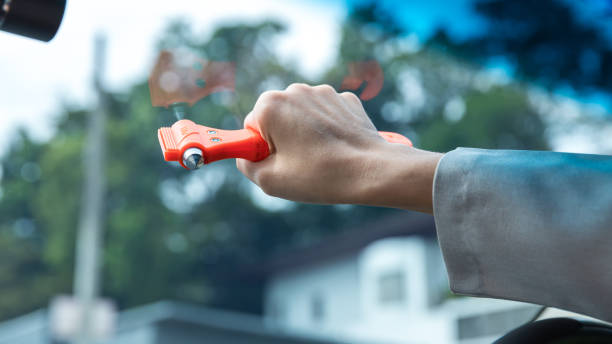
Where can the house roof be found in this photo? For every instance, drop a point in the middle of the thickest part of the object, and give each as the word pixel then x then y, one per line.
pixel 400 224
pixel 207 318
pixel 35 326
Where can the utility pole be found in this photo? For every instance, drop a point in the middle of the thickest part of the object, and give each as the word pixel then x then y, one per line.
pixel 89 241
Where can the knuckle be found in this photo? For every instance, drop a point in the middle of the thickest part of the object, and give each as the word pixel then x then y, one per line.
pixel 268 104
pixel 325 88
pixel 299 87
pixel 350 96
pixel 272 97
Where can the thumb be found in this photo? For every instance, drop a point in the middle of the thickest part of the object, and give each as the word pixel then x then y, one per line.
pixel 249 168
pixel 251 123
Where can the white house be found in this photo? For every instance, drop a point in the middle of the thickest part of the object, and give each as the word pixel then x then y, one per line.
pixel 383 283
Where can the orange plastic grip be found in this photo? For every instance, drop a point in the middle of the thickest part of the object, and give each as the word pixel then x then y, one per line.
pixel 217 144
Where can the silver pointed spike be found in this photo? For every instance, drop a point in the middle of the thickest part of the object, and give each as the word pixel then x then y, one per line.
pixel 193 158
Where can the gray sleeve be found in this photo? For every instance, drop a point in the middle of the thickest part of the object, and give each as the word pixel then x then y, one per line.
pixel 528 226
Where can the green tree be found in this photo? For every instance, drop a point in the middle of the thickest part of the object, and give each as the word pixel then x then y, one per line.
pixel 549 41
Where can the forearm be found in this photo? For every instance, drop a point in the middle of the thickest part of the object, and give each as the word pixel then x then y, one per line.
pixel 398 176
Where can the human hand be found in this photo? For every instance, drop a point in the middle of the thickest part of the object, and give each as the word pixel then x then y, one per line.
pixel 325 149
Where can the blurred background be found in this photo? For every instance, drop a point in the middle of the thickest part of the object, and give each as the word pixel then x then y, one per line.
pixel 205 256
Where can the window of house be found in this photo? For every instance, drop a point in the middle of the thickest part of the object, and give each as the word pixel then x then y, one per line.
pixel 276 310
pixel 392 287
pixel 317 307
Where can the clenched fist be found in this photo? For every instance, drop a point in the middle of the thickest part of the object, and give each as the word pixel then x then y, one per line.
pixel 325 149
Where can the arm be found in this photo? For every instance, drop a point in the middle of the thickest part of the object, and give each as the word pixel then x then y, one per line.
pixel 528 226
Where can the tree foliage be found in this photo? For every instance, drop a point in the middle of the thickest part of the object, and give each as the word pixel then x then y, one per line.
pixel 552 42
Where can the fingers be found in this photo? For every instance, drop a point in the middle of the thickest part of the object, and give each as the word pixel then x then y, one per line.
pixel 325 89
pixel 247 168
pixel 301 88
pixel 266 114
pixel 250 122
pixel 351 99
pixel 259 173
pixel 267 108
pixel 298 87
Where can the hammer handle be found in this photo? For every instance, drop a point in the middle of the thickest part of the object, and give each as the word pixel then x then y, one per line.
pixel 217 144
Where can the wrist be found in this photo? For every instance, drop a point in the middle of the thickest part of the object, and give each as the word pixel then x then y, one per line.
pixel 397 176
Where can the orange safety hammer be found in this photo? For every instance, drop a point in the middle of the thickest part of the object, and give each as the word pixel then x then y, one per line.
pixel 194 145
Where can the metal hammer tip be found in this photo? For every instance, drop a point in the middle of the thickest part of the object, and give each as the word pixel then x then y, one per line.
pixel 193 158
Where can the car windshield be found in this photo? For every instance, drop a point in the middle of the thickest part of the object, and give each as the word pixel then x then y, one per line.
pixel 90 210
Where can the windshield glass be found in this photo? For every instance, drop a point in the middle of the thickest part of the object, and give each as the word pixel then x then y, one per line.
pixel 464 73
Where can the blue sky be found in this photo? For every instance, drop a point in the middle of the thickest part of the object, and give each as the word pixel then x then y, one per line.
pixel 459 17
pixel 423 17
